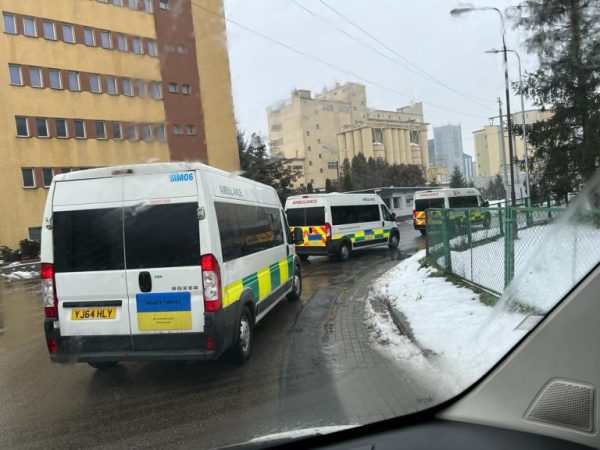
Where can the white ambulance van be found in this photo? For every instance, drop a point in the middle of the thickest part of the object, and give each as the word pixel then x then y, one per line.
pixel 448 198
pixel 161 262
pixel 335 224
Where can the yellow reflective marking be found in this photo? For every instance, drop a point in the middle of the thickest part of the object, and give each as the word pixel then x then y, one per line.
pixel 264 282
pixel 283 271
pixel 165 321
pixel 232 292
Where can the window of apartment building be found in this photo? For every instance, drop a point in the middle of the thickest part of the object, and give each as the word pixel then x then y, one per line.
pixel 35 233
pixel 327 107
pixel 22 126
pixel 28 178
pixel 116 131
pixel 35 77
pixel 344 109
pixel 132 132
pixel 321 170
pixel 310 163
pixel 156 90
pixel 74 81
pixel 47 176
pixel 146 132
pixel 186 89
pixel 132 4
pixel 79 126
pixel 68 33
pixel 102 1
pixel 177 129
pixel 127 87
pixel 320 156
pixel 160 132
pixel 142 88
pixel 299 167
pixel 414 137
pixel 29 27
pixel 41 127
pixel 317 126
pixel 88 37
pixel 191 130
pixel 105 40
pixel 309 148
pixel 111 85
pixel 148 6
pixel 117 2
pixel 181 49
pixel 54 76
pixel 121 42
pixel 308 133
pixel 100 129
pixel 332 165
pixel 49 30
pixel 173 88
pixel 16 77
pixel 163 4
pixel 62 131
pixel 95 85
pixel 10 26
pixel 409 200
pixel 152 48
pixel 318 140
pixel 136 45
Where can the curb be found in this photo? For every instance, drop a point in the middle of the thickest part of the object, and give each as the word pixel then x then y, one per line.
pixel 404 327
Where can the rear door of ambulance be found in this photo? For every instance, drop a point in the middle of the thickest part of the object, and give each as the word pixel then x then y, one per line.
pixel 162 261
pixel 89 266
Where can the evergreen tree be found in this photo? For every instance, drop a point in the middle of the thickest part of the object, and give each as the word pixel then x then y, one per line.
pixel 346 176
pixel 457 180
pixel 564 36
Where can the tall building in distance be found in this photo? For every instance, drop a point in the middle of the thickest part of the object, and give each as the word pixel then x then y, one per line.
pixel 318 132
pixel 448 148
pixel 95 83
pixel 488 157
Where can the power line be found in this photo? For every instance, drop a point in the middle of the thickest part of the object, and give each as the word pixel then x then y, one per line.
pixel 333 66
pixel 423 73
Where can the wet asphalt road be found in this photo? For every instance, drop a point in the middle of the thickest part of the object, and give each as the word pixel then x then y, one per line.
pixel 312 366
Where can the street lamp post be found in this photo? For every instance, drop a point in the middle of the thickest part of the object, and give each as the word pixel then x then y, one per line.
pixel 458 12
pixel 523 124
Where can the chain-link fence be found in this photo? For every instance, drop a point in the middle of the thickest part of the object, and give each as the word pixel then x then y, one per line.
pixel 486 245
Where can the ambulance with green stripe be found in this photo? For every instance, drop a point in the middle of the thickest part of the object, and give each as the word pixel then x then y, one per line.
pixel 174 261
pixel 455 198
pixel 336 224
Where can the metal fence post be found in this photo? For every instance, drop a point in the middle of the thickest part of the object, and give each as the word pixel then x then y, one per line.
pixel 469 230
pixel 509 246
pixel 446 237
pixel 500 220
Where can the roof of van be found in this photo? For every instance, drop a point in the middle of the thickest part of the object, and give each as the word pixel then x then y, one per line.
pixel 332 194
pixel 132 169
pixel 451 191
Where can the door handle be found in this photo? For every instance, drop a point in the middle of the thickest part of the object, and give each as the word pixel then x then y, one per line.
pixel 145 281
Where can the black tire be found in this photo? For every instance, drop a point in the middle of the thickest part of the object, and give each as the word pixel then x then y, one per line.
pixel 103 365
pixel 303 257
pixel 296 291
pixel 423 232
pixel 242 348
pixel 394 240
pixel 344 252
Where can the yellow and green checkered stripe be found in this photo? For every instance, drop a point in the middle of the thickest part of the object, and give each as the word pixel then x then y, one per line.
pixel 261 283
pixel 366 235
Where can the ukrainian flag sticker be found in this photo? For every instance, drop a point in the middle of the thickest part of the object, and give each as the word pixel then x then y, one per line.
pixel 164 311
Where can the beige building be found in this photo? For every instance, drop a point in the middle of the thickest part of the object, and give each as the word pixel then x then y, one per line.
pixel 488 158
pixel 97 83
pixel 318 133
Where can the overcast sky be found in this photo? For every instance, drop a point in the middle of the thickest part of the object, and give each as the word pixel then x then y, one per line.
pixel 422 31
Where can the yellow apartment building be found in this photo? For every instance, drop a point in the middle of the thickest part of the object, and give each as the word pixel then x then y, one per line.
pixel 488 157
pixel 90 83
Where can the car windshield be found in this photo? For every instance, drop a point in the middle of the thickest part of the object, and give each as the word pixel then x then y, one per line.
pixel 155 290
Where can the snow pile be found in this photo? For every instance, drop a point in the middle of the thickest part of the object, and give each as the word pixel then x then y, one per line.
pixel 19 275
pixel 462 337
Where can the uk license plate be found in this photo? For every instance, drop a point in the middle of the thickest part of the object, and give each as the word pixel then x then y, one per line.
pixel 93 313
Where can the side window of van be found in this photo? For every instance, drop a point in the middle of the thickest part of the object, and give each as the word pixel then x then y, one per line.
pixel 385 213
pixel 246 229
pixel 354 214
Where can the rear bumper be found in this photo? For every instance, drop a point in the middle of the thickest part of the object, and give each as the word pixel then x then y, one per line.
pixel 150 347
pixel 331 248
pixel 420 227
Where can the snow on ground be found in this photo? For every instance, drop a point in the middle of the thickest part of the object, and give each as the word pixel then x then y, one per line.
pixel 18 275
pixel 465 337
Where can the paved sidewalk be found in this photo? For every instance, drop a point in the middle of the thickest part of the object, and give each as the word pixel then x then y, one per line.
pixel 370 386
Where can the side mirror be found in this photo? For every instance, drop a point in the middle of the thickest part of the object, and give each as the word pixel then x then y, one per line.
pixel 297 236
pixel 485 204
pixel 394 216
